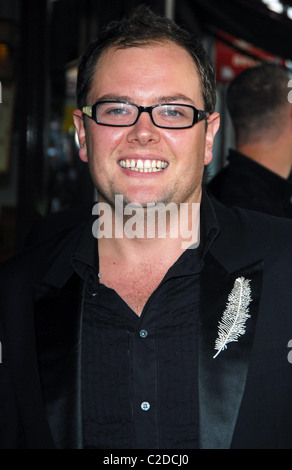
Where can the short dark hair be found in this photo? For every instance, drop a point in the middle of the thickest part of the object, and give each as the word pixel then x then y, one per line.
pixel 255 99
pixel 145 27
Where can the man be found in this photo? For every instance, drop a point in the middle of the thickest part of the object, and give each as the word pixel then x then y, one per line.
pixel 152 340
pixel 257 174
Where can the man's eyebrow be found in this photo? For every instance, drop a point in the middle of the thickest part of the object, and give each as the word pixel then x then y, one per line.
pixel 111 97
pixel 159 99
pixel 173 99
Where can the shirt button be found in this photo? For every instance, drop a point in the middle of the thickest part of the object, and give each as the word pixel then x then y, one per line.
pixel 143 334
pixel 145 406
pixel 91 283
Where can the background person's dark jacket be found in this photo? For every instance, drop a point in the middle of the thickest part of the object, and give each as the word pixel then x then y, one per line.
pixel 247 184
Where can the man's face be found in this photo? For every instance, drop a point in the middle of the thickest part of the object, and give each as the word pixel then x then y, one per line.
pixel 146 76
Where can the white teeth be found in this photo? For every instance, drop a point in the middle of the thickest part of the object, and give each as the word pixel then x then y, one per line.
pixel 145 166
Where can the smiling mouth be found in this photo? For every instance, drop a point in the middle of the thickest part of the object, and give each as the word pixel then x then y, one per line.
pixel 143 166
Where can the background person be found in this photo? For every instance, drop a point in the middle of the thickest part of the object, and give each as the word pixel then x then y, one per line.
pixel 257 174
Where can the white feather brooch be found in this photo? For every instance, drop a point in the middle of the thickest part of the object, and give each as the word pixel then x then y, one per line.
pixel 232 324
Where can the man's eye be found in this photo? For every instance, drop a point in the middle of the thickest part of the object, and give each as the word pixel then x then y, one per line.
pixel 117 111
pixel 171 113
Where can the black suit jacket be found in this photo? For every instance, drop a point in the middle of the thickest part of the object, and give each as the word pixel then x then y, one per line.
pixel 245 393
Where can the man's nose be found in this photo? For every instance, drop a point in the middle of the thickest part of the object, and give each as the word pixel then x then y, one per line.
pixel 144 130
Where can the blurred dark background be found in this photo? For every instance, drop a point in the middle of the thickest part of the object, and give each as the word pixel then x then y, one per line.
pixel 40 43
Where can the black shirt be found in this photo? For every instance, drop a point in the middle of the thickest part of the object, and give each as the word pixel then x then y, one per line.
pixel 140 374
pixel 247 184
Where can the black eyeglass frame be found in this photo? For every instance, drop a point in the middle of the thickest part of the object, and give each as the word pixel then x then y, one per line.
pixel 199 115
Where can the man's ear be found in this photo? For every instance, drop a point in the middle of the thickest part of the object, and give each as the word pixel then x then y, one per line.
pixel 80 129
pixel 213 126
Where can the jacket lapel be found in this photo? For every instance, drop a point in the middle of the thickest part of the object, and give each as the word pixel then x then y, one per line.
pixel 58 332
pixel 222 379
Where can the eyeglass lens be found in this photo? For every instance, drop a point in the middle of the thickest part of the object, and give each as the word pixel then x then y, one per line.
pixel 123 114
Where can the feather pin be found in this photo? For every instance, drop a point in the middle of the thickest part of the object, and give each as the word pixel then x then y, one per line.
pixel 235 315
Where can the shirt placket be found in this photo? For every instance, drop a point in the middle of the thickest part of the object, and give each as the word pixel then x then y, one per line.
pixel 145 384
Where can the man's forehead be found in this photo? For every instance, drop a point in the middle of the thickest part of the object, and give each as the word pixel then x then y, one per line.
pixel 118 63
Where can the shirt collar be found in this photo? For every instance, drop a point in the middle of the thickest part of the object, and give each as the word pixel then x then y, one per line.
pixel 86 252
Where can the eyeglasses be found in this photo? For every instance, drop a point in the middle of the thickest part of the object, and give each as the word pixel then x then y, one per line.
pixel 124 114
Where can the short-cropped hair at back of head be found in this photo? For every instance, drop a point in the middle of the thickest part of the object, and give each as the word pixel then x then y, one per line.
pixel 256 100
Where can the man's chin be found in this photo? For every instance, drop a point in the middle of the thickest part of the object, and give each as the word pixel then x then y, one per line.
pixel 135 199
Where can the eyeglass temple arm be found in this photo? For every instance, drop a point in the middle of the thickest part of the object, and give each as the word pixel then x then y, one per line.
pixel 203 115
pixel 87 110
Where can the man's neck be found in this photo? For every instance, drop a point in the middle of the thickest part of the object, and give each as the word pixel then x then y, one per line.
pixel 161 239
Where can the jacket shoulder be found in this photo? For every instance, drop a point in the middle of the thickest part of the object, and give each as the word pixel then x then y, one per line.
pixel 251 235
pixel 55 237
